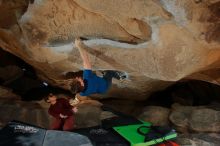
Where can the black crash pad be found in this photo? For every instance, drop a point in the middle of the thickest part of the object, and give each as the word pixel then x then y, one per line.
pixel 21 134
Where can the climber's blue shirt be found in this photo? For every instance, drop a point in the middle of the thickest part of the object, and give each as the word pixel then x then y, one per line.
pixel 93 84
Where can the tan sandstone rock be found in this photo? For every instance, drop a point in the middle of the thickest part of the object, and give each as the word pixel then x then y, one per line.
pixel 155 42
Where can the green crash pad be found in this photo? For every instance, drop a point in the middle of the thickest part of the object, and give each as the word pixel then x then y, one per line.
pixel 130 133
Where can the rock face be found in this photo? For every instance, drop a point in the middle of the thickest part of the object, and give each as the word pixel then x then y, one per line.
pixel 153 41
pixel 196 119
pixel 202 139
pixel 7 94
pixel 156 115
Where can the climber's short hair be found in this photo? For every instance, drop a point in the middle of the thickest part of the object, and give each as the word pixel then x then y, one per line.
pixel 70 75
pixel 75 87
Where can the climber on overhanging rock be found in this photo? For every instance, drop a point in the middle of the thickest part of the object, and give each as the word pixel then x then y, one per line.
pixel 90 83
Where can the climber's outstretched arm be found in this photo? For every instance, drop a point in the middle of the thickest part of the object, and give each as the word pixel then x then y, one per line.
pixel 82 49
